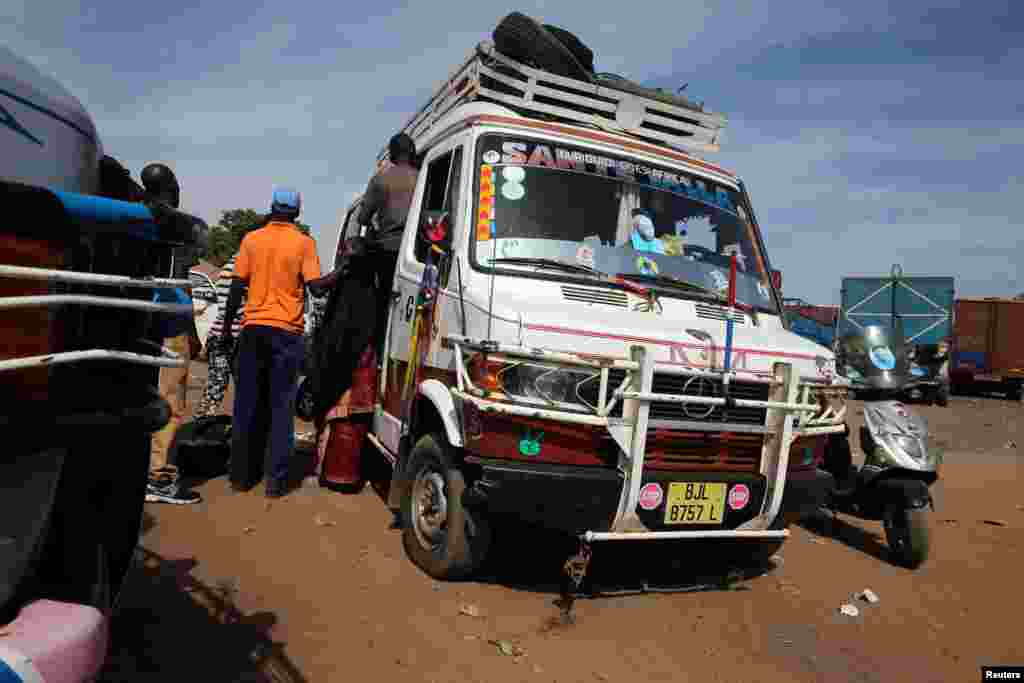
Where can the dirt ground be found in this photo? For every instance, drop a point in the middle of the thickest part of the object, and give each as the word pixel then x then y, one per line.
pixel 315 587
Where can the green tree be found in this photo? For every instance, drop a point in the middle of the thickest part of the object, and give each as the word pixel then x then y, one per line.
pixel 227 234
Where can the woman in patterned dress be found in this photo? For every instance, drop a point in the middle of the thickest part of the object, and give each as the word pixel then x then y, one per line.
pixel 219 358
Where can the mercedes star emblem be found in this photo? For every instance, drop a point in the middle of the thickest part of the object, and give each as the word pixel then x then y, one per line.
pixel 698 386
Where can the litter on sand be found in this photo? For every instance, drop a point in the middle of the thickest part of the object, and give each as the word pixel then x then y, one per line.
pixel 322 521
pixel 849 610
pixel 471 611
pixel 993 522
pixel 508 649
pixel 868 595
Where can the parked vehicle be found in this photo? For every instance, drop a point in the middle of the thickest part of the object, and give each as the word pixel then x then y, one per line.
pixel 565 376
pixel 893 484
pixel 817 323
pixel 79 260
pixel 987 350
pixel 204 302
pixel 923 307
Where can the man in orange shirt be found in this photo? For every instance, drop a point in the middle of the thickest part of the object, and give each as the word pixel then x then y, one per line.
pixel 276 262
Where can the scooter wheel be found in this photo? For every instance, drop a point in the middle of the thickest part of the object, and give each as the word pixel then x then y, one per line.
pixel 906 532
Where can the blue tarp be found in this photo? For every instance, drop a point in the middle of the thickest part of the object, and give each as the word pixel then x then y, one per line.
pixel 811 329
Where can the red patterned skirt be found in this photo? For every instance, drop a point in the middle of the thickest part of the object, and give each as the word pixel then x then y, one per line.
pixel 343 435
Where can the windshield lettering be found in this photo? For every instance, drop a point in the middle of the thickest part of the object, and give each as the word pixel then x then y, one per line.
pixel 540 200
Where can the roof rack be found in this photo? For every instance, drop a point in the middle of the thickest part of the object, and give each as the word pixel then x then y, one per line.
pixel 648 115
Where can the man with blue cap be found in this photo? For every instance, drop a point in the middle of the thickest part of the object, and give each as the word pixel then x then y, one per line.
pixel 274 264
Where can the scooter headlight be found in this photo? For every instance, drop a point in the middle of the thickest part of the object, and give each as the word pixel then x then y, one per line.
pixel 911 447
pixel 894 425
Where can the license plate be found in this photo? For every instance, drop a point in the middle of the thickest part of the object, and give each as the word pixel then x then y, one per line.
pixel 695 503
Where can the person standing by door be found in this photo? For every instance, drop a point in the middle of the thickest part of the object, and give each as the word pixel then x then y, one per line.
pixel 388 198
pixel 180 336
pixel 276 262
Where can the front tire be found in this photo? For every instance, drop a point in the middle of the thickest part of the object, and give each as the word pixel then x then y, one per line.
pixel 906 532
pixel 440 536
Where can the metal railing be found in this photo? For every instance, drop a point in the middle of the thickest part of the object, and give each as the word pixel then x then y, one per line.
pixel 164 357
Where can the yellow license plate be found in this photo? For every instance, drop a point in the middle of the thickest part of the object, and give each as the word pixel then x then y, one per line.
pixel 695 503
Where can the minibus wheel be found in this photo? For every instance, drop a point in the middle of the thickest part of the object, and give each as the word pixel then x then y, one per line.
pixel 440 536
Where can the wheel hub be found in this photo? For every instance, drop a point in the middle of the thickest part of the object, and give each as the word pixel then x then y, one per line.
pixel 429 509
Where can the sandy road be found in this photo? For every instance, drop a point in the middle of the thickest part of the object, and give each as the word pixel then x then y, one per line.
pixel 316 588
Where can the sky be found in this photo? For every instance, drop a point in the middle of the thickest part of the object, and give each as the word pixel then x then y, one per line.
pixel 868 133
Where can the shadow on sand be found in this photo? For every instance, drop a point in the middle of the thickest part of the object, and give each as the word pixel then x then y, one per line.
pixel 869 542
pixel 531 559
pixel 171 627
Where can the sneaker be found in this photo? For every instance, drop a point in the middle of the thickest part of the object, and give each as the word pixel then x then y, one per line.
pixel 170 493
pixel 275 489
pixel 396 521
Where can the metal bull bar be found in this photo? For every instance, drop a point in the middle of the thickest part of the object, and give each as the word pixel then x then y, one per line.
pixel 166 357
pixel 782 407
pixel 789 413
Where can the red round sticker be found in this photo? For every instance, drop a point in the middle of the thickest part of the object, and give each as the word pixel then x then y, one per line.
pixel 650 496
pixel 739 496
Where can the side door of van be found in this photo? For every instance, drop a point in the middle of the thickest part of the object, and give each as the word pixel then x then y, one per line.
pixel 438 192
pixel 349 228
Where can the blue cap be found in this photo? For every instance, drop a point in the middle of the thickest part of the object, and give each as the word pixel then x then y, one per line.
pixel 286 200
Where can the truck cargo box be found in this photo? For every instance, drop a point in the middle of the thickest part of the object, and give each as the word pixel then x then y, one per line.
pixel 988 344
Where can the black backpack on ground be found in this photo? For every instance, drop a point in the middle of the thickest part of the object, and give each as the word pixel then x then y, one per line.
pixel 202 447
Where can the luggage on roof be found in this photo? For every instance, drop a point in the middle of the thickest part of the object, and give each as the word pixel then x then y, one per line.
pixel 602 101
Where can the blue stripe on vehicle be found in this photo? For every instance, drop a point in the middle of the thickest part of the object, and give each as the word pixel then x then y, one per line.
pixel 50 113
pixel 7 674
pixel 92 209
pixel 15 667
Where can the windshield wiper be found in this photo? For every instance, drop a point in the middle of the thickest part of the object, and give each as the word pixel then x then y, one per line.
pixel 670 281
pixel 541 262
pixel 700 291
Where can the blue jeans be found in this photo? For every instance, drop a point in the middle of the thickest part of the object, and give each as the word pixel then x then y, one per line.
pixel 264 414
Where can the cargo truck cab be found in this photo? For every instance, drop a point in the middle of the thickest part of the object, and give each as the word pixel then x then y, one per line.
pixel 562 345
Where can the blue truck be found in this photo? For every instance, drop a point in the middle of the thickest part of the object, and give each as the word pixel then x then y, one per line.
pixel 817 323
pixel 922 307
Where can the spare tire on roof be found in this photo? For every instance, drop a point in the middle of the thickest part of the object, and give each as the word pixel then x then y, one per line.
pixel 583 54
pixel 523 39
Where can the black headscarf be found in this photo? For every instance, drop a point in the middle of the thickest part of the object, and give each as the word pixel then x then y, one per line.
pixel 347 329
